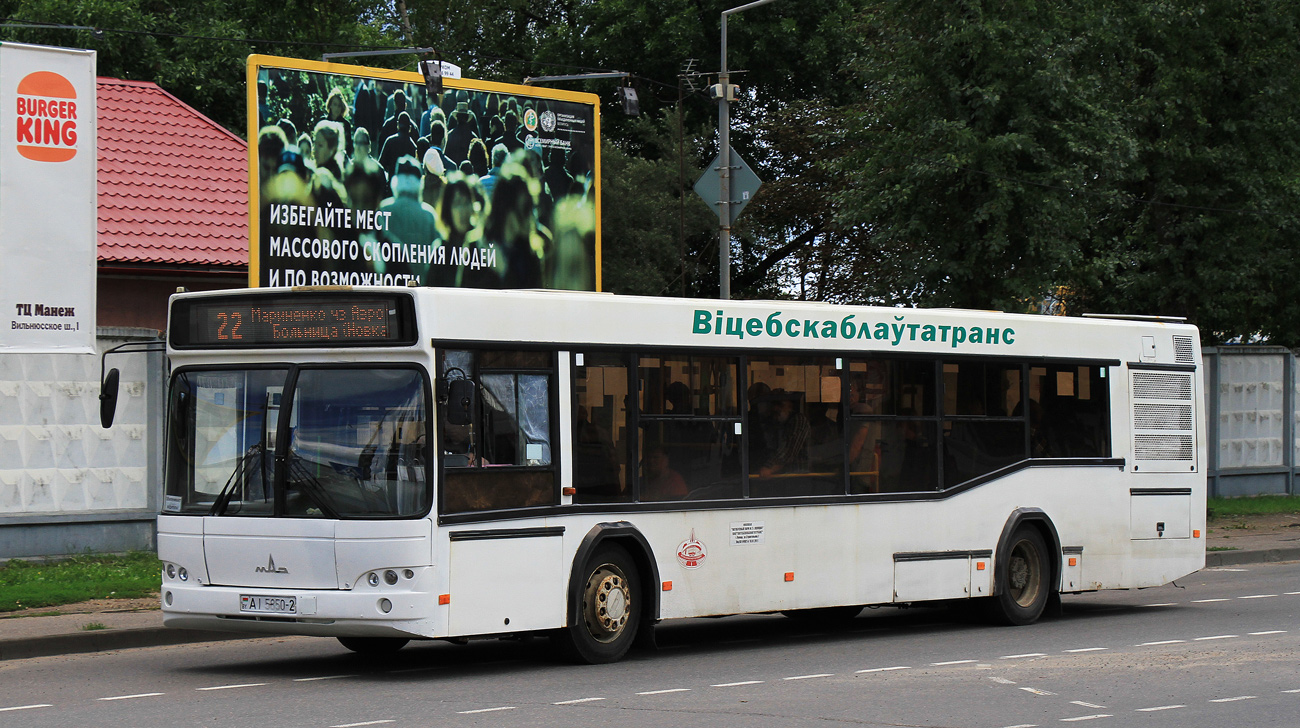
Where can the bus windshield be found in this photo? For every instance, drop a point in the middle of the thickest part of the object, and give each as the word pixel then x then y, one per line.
pixel 354 445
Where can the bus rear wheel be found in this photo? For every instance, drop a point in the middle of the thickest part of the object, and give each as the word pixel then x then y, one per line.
pixel 371 646
pixel 609 613
pixel 1023 581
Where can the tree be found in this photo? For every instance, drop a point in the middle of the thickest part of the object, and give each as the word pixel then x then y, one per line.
pixel 197 50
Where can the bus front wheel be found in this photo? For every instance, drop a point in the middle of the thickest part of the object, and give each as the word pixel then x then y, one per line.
pixel 1023 580
pixel 609 608
pixel 373 645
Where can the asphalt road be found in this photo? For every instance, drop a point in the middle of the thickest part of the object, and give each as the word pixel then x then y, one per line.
pixel 1221 648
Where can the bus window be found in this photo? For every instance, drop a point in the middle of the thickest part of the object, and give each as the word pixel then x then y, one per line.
pixel 794 427
pixel 984 425
pixel 893 430
pixel 687 441
pixel 503 457
pixel 222 441
pixel 358 444
pixel 1069 412
pixel 600 429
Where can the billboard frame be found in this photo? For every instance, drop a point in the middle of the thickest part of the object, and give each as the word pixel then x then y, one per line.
pixel 256 62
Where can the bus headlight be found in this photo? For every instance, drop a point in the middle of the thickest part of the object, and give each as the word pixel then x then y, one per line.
pixel 171 571
pixel 390 577
pixel 373 579
pixel 185 575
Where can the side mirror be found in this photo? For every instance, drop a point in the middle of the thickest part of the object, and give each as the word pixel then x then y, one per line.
pixel 460 401
pixel 108 399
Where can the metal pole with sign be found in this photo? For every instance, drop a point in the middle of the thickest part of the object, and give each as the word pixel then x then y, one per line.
pixel 725 93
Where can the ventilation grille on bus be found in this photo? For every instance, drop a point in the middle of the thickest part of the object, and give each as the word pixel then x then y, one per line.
pixel 1164 426
pixel 1163 447
pixel 1148 416
pixel 1162 385
pixel 1183 350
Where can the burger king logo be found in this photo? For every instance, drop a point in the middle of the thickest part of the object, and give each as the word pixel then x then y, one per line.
pixel 47 117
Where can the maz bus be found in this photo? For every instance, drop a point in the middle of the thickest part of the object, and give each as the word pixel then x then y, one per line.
pixel 387 464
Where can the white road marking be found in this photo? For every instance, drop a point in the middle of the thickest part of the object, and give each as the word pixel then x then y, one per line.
pixel 885 669
pixel 323 677
pixel 809 677
pixel 1161 604
pixel 1291 594
pixel 232 687
pixel 1159 707
pixel 485 710
pixel 1271 631
pixel 1086 705
pixel 1036 691
pixel 1088 649
pixel 951 662
pixel 1003 680
pixel 1258 596
pixel 1024 725
pixel 738 684
pixel 1207 601
pixel 1221 569
pixel 129 697
pixel 669 690
pixel 1233 700
pixel 358 725
pixel 577 700
pixel 27 707
pixel 1087 717
pixel 1161 642
pixel 1291 691
pixel 1216 637
pixel 1017 657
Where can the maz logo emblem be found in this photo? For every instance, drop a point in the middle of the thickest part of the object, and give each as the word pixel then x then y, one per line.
pixel 270 567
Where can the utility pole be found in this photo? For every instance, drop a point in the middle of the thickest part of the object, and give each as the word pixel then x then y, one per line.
pixel 726 92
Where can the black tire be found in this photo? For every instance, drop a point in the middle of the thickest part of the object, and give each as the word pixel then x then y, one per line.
pixel 609 600
pixel 1023 579
pixel 373 646
pixel 828 616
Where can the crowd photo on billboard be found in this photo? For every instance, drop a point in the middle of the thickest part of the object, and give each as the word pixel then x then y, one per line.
pixel 368 181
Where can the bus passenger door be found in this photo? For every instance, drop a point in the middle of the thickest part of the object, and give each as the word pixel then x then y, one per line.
pixel 506 580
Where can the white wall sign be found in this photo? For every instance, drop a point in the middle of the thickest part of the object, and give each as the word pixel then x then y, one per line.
pixel 48 205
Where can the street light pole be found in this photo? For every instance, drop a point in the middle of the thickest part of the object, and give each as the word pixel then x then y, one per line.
pixel 724 157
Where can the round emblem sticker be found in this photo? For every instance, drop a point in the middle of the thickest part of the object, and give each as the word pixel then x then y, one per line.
pixel 548 121
pixel 691 552
pixel 530 120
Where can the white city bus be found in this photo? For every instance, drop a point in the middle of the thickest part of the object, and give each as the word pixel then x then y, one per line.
pixel 387 464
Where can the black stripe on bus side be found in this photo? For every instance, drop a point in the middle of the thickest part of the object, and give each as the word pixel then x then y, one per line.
pixel 942 555
pixel 746 503
pixel 1071 549
pixel 1159 491
pixel 1162 367
pixel 488 534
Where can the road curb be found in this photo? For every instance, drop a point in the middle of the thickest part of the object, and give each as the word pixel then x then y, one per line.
pixel 1258 556
pixel 108 639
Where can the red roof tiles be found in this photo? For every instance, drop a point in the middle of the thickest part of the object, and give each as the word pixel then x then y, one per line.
pixel 173 184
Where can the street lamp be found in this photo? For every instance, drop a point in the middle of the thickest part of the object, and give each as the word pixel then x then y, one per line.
pixel 725 93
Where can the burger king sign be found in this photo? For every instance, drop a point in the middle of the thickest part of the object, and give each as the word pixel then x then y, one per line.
pixel 48 206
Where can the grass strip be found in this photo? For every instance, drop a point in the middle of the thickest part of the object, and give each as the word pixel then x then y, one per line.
pixel 27 584
pixel 1254 505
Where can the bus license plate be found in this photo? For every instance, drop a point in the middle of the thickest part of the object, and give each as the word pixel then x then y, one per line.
pixel 268 605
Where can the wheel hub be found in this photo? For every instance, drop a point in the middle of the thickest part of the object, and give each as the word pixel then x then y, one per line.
pixel 607 602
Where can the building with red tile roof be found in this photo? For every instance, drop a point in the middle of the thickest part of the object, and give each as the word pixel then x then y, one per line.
pixel 173 203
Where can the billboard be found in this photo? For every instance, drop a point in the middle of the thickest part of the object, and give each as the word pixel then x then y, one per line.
pixel 358 176
pixel 48 205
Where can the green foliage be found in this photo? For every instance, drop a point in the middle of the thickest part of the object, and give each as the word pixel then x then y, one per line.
pixel 26 585
pixel 205 72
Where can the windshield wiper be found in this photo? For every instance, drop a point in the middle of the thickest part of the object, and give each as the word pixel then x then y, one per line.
pixel 238 477
pixel 310 487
